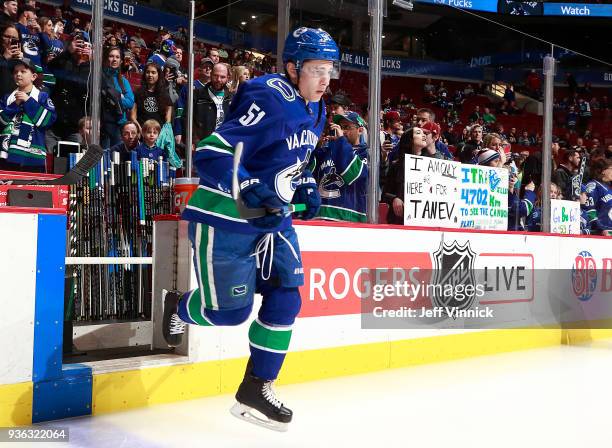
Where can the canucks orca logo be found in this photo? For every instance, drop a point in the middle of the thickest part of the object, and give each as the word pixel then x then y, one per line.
pixel 285 181
pixel 330 184
pixel 30 48
pixel 454 266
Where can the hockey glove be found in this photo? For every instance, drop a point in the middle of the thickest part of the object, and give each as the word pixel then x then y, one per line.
pixel 307 192
pixel 255 194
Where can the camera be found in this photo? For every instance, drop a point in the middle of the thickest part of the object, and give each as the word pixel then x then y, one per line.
pixel 173 66
pixel 516 156
pixel 128 56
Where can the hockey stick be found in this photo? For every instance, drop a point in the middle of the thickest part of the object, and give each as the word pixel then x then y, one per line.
pixel 89 160
pixel 577 179
pixel 250 213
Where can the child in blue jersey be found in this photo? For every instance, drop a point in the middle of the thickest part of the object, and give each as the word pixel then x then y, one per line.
pixel 341 169
pixel 519 209
pixel 598 204
pixel 534 218
pixel 279 119
pixel 25 115
pixel 148 149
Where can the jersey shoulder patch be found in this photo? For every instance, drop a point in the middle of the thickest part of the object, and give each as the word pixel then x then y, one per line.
pixel 590 187
pixel 282 87
pixel 259 94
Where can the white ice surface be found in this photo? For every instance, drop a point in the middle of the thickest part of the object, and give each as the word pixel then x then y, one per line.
pixel 554 397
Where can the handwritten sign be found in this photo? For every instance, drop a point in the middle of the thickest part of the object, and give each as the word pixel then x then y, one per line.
pixel 483 202
pixel 565 217
pixel 431 192
pixel 443 193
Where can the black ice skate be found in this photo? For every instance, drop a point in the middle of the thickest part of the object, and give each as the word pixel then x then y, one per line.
pixel 258 405
pixel 173 326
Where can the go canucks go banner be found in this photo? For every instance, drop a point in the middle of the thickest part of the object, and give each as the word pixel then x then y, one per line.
pixel 144 16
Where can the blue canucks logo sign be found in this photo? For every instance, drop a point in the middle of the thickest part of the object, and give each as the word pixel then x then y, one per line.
pixel 584 276
pixel 454 270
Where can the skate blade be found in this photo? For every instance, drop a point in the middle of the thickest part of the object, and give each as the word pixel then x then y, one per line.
pixel 251 415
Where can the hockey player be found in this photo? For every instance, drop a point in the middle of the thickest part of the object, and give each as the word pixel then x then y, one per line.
pixel 341 169
pixel 279 119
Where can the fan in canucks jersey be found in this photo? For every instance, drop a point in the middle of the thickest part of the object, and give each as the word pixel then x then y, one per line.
pixel 341 169
pixel 598 205
pixel 279 119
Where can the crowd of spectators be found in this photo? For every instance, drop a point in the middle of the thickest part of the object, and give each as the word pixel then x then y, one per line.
pixel 144 79
pixel 480 137
pixel 45 71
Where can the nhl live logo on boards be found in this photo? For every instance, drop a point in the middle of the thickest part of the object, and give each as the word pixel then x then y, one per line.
pixel 454 266
pixel 337 283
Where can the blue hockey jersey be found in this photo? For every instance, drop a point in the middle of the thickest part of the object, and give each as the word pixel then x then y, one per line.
pixel 279 130
pixel 30 44
pixel 49 48
pixel 149 152
pixel 23 127
pixel 520 209
pixel 598 206
pixel 341 171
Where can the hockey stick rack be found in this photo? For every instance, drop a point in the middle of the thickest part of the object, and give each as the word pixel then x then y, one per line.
pixel 90 158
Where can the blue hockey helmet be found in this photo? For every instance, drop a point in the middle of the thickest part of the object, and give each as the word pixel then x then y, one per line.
pixel 305 44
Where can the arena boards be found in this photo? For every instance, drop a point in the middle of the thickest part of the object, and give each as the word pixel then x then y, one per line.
pixel 328 339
